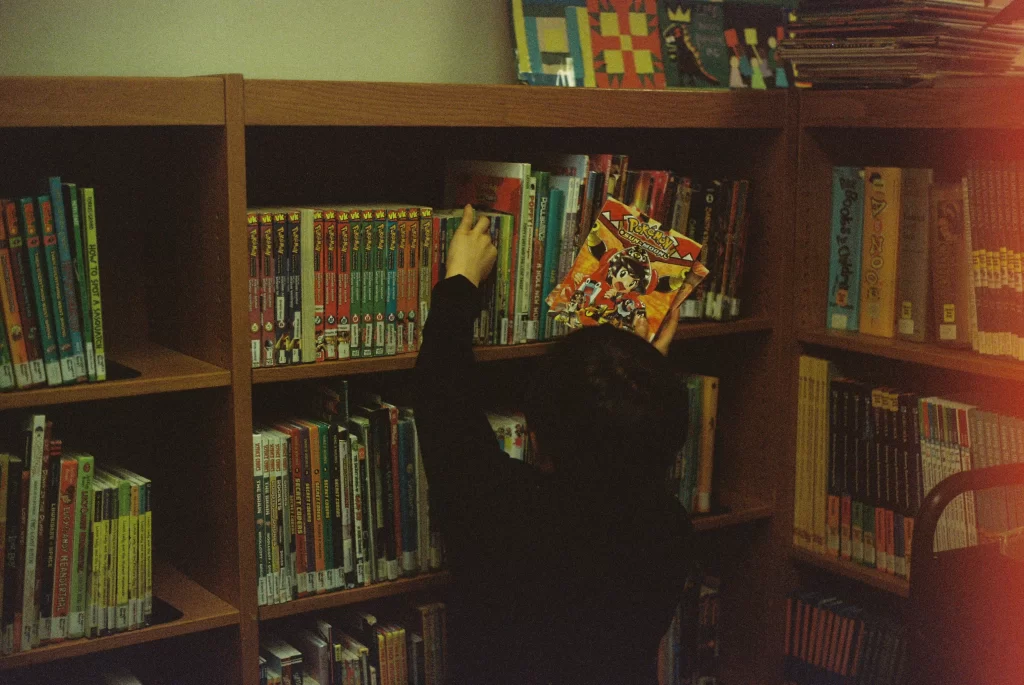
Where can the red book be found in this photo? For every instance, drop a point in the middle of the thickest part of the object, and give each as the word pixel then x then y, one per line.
pixel 22 278
pixel 65 547
pixel 318 285
pixel 627 52
pixel 331 283
pixel 296 506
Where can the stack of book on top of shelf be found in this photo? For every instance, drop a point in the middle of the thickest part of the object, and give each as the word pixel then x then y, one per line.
pixel 77 543
pixel 401 647
pixel 893 43
pixel 50 289
pixel 341 498
pixel 921 260
pixel 345 281
pixel 867 455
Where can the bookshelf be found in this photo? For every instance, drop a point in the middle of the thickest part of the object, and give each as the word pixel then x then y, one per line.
pixel 940 128
pixel 176 161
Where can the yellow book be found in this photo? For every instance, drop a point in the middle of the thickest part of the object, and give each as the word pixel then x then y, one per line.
pixel 799 498
pixel 880 251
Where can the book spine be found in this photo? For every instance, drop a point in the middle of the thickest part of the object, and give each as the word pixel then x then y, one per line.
pixel 844 264
pixel 293 327
pixel 403 260
pixel 307 287
pixel 297 512
pixel 524 274
pixel 833 499
pixel 341 490
pixel 63 568
pixel 36 452
pixel 7 380
pixel 380 282
pixel 66 273
pixel 709 411
pixel 39 280
pixel 369 284
pixel 331 284
pixel 313 550
pixel 83 503
pixel 124 524
pixel 327 519
pixel 412 280
pixel 881 235
pixel 392 485
pixel 146 551
pixel 912 270
pixel 357 457
pixel 76 228
pixel 282 299
pixel 12 314
pixel 11 596
pixel 92 259
pixel 355 270
pixel 394 257
pixel 407 499
pixel 268 282
pixel 21 279
pixel 347 283
pixel 259 520
pixel 540 223
pixel 270 514
pixel 319 264
pixel 511 310
pixel 428 247
pixel 255 302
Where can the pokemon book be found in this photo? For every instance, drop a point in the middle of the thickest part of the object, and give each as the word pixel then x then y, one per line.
pixel 629 273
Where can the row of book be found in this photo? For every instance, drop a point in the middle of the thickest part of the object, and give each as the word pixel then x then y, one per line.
pixel 77 544
pixel 867 455
pixel 341 282
pixel 829 640
pixel 50 289
pixel 929 261
pixel 650 43
pixel 405 646
pixel 341 498
pixel 689 652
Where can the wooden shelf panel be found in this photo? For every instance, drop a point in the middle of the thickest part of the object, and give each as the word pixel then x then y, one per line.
pixel 848 569
pixel 342 598
pixel 349 367
pixel 110 101
pixel 995 106
pixel 739 514
pixel 202 611
pixel 351 103
pixel 160 370
pixel 918 353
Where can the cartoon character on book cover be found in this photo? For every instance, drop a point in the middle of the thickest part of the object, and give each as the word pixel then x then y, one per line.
pixel 628 274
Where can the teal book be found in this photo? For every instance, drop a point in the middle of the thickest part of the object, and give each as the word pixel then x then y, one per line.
pixel 534 329
pixel 68 281
pixel 552 244
pixel 845 249
pixel 391 267
pixel 76 230
pixel 55 289
pixel 693 44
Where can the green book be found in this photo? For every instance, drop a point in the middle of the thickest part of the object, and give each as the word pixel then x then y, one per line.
pixel 369 255
pixel 76 230
pixel 80 553
pixel 380 276
pixel 6 363
pixel 355 277
pixel 55 290
pixel 324 432
pixel 40 297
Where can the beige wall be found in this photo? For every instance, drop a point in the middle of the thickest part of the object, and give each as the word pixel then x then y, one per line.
pixel 450 41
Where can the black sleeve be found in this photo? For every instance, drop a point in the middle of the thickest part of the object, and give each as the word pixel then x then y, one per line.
pixel 460 452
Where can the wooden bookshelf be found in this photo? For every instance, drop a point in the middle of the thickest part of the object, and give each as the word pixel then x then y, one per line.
pixel 848 569
pixel 201 610
pixel 333 600
pixel 926 354
pixel 348 367
pixel 740 512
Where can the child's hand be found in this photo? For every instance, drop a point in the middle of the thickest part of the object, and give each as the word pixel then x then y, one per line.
pixel 471 253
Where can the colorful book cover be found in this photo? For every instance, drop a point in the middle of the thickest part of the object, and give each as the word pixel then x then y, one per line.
pixel 40 296
pixel 87 203
pixel 12 314
pixel 847 240
pixel 397 233
pixel 950 266
pixel 73 212
pixel 348 284
pixel 268 284
pixel 67 499
pixel 319 262
pixel 693 44
pixel 752 34
pixel 255 304
pixel 331 284
pixel 552 42
pixel 282 285
pixel 880 246
pixel 23 288
pixel 368 284
pixel 55 290
pixel 540 224
pixel 66 268
pixel 412 279
pixel 380 282
pixel 626 44
pixel 628 274
pixel 912 260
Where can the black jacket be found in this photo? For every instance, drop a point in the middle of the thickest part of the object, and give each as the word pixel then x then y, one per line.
pixel 552 584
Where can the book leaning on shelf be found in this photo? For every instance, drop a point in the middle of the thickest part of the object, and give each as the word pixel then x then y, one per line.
pixel 50 289
pixel 77 544
pixel 341 498
pixel 867 455
pixel 929 260
pixel 335 282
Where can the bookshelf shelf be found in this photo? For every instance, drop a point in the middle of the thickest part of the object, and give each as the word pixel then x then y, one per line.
pixel 277 374
pixel 739 514
pixel 202 611
pixel 917 353
pixel 848 569
pixel 333 600
pixel 992 106
pixel 100 101
pixel 341 103
pixel 160 370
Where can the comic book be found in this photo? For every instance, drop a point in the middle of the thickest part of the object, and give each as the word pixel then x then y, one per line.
pixel 628 273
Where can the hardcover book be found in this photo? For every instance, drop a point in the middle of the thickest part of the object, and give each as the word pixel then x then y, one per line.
pixel 626 44
pixel 629 273
pixel 693 44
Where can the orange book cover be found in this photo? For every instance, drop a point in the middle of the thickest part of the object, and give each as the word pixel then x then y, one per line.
pixel 878 260
pixel 628 273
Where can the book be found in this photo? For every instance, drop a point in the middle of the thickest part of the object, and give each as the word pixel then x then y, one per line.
pixel 552 43
pixel 912 268
pixel 12 314
pixel 22 278
pixel 634 23
pixel 882 210
pixel 949 260
pixel 847 237
pixel 40 295
pixel 68 280
pixel 628 274
pixel 693 44
pixel 87 203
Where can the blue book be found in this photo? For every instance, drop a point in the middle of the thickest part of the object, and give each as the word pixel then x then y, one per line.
pixel 69 280
pixel 845 250
pixel 552 245
pixel 407 488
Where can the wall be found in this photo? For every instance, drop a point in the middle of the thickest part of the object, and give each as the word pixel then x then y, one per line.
pixel 450 41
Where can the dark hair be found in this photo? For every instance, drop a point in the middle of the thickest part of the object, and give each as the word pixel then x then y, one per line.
pixel 636 267
pixel 607 408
